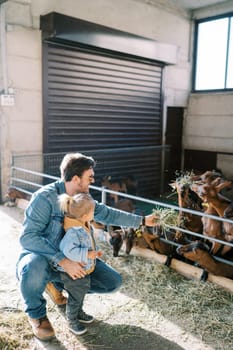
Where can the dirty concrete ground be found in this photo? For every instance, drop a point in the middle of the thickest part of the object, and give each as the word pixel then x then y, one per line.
pixel 122 322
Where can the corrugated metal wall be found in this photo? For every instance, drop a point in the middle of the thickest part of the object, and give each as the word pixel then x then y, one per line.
pixel 96 101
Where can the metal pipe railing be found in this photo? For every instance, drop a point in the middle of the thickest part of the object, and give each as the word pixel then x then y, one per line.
pixel 104 192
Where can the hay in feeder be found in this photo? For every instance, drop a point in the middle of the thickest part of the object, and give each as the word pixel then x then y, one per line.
pixel 200 308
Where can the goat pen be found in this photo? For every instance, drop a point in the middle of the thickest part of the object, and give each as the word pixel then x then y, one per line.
pixel 28 181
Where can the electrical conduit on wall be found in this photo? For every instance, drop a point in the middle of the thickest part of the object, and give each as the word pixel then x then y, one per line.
pixel 3 48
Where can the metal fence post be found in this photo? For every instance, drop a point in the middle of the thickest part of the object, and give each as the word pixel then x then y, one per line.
pixel 103 195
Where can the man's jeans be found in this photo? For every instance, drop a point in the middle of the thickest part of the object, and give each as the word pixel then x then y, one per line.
pixel 34 272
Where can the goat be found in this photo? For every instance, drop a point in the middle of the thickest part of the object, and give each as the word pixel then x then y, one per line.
pixel 125 204
pixel 155 243
pixel 118 185
pixel 211 227
pixel 12 194
pixel 131 184
pixel 186 199
pixel 117 237
pixel 217 205
pixel 199 253
pixel 228 212
pixel 190 200
pixel 114 184
pixel 210 194
pixel 207 177
pixel 118 234
pixel 124 184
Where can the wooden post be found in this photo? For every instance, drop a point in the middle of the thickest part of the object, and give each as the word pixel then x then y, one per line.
pixel 183 268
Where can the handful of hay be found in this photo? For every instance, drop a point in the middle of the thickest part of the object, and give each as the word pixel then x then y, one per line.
pixel 184 178
pixel 165 218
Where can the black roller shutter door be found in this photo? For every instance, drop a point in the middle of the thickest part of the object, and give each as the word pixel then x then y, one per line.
pixel 95 101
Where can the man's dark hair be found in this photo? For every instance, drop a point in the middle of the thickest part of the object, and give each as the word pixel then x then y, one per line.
pixel 75 164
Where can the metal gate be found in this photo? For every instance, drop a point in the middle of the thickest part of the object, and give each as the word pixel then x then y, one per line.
pixel 96 99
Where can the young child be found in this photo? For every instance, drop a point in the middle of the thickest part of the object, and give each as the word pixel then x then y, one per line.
pixel 78 245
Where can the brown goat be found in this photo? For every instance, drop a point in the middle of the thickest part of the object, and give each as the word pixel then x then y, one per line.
pixel 207 182
pixel 13 194
pixel 217 205
pixel 124 184
pixel 118 236
pixel 207 177
pixel 210 194
pixel 114 185
pixel 207 186
pixel 212 228
pixel 187 199
pixel 155 243
pixel 199 252
pixel 125 204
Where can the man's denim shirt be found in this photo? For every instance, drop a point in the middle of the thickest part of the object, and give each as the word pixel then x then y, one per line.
pixel 43 223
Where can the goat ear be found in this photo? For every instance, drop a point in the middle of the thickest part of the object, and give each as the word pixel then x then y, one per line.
pixel 223 185
pixel 194 247
pixel 217 181
pixel 194 187
pixel 173 185
pixel 195 177
pixel 205 188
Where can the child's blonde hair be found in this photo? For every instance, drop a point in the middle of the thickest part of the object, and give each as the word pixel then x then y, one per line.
pixel 76 206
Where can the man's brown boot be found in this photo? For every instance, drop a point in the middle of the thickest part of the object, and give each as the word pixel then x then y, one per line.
pixel 42 328
pixel 55 294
